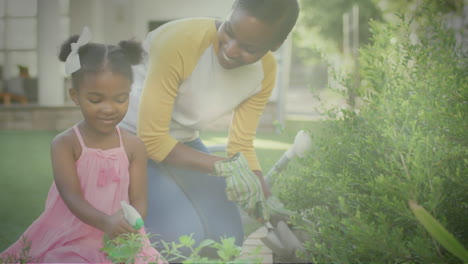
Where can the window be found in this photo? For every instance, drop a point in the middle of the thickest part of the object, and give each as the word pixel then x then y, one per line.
pixel 18 36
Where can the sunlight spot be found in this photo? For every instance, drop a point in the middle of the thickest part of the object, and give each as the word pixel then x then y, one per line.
pixel 215 141
pixel 270 144
pixel 258 143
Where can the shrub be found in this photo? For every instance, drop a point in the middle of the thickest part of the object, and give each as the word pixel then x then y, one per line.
pixel 408 142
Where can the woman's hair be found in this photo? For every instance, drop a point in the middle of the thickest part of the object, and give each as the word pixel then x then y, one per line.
pixel 281 12
pixel 98 58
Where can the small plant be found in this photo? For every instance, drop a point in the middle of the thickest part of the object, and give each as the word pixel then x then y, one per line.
pixel 125 249
pixel 227 251
pixel 24 257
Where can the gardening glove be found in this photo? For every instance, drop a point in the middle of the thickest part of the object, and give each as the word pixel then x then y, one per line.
pixel 277 211
pixel 243 186
pixel 285 242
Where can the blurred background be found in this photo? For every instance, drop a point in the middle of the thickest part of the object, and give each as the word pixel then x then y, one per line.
pixel 381 85
pixel 323 46
pixel 31 33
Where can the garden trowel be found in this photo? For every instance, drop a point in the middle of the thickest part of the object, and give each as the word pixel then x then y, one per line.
pixel 284 240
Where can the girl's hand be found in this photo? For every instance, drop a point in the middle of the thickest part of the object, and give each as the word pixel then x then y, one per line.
pixel 118 225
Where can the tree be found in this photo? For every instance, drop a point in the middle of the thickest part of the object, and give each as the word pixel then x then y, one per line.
pixel 321 23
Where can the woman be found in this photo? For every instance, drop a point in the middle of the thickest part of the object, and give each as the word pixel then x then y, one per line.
pixel 197 70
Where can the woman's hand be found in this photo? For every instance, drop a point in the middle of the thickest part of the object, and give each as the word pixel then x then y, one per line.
pixel 243 186
pixel 117 225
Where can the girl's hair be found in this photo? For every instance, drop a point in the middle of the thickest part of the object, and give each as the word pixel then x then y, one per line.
pixel 281 12
pixel 97 58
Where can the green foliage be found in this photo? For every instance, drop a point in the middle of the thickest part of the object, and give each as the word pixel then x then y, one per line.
pixel 320 25
pixel 439 232
pixel 408 142
pixel 124 249
pixel 227 251
pixel 23 257
pixel 442 6
pixel 327 16
pixel 319 30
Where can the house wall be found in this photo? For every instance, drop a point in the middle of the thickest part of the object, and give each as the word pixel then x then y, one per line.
pixel 114 20
pixel 148 10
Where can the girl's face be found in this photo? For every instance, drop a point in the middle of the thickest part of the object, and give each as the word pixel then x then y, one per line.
pixel 103 99
pixel 243 39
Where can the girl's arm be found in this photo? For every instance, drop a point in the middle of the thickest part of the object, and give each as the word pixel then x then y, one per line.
pixel 69 187
pixel 137 193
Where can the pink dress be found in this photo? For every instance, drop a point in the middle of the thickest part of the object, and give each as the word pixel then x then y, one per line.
pixel 58 236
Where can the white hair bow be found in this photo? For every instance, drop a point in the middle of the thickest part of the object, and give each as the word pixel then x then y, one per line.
pixel 72 63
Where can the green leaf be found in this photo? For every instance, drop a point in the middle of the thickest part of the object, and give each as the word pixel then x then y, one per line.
pixel 446 239
pixel 187 241
pixel 206 242
pixel 223 255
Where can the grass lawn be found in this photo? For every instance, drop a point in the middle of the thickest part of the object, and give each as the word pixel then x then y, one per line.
pixel 26 173
pixel 25 178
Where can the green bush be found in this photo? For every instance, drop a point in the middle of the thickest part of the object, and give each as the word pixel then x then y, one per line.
pixel 407 142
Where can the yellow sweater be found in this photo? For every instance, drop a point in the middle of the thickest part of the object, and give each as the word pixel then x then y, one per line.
pixel 186 88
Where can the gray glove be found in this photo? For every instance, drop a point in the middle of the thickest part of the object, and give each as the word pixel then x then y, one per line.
pixel 285 241
pixel 277 211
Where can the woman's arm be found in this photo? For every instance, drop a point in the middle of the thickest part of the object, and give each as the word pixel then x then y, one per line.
pixel 161 88
pixel 172 60
pixel 69 187
pixel 184 156
pixel 246 117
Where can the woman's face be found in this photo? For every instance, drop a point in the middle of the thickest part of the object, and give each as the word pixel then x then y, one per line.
pixel 243 39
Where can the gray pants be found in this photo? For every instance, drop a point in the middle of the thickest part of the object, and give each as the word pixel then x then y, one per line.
pixel 183 202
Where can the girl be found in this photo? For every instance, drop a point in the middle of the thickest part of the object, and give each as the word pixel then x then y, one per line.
pixel 95 165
